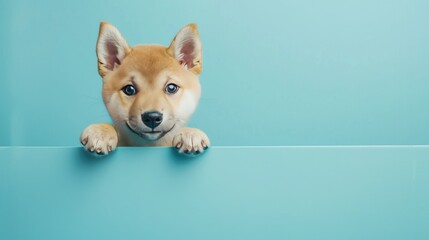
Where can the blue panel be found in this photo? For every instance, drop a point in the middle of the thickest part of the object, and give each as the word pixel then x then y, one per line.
pixel 228 193
pixel 281 72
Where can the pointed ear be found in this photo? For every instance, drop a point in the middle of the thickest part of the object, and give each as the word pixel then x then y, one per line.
pixel 111 48
pixel 186 48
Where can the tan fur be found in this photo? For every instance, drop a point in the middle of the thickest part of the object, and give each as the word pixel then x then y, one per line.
pixel 150 68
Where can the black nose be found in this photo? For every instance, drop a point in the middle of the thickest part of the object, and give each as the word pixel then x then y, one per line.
pixel 152 119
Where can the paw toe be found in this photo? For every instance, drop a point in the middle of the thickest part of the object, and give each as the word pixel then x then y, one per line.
pixel 191 142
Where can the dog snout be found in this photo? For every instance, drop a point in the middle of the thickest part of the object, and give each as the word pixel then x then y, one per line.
pixel 152 119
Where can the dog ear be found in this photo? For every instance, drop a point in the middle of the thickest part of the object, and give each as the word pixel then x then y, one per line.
pixel 186 48
pixel 111 48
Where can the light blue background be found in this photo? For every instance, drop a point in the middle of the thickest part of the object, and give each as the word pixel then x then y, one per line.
pixel 304 193
pixel 275 72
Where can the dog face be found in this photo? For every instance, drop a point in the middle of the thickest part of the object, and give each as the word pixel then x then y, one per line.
pixel 149 90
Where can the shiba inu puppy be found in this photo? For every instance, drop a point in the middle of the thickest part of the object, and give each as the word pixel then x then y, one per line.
pixel 150 92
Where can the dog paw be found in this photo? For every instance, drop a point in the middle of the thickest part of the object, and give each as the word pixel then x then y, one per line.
pixel 99 138
pixel 191 141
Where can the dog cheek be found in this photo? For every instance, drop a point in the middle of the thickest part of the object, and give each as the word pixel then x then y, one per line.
pixel 186 107
pixel 116 108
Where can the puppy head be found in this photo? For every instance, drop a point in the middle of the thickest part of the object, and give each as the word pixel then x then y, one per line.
pixel 150 90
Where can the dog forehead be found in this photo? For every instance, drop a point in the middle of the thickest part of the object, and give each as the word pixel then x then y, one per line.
pixel 150 61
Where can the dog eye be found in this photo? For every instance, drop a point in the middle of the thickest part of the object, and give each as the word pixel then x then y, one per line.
pixel 129 90
pixel 171 88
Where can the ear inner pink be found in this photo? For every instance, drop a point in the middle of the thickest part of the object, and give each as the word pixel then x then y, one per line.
pixel 112 57
pixel 187 51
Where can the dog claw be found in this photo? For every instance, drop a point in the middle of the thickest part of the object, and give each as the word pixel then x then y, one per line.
pixel 84 141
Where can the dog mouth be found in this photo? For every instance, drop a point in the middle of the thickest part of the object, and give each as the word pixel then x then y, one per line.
pixel 150 135
pixel 152 132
